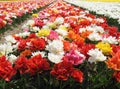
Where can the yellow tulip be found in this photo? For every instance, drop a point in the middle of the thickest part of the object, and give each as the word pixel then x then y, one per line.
pixel 34 15
pixel 105 47
pixel 43 32
pixel 63 28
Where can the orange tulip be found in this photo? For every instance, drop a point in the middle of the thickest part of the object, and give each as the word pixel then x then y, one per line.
pixel 71 35
pixel 26 53
pixel 66 45
pixel 86 34
pixel 114 62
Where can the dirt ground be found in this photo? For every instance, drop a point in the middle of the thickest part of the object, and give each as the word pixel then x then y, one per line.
pixel 14 30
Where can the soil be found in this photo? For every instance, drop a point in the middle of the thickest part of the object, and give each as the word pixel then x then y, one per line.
pixel 15 30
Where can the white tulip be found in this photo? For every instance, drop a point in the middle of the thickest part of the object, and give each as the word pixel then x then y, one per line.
pixel 110 40
pixel 59 20
pixel 94 37
pixel 10 39
pixel 56 46
pixel 96 55
pixel 12 58
pixel 55 58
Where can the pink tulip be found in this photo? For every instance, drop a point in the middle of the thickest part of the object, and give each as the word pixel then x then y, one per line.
pixel 53 35
pixel 74 57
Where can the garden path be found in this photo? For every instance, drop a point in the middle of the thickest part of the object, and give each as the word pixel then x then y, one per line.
pixel 15 29
pixel 18 27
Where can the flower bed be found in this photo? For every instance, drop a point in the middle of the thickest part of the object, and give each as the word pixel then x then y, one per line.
pixel 103 0
pixel 16 12
pixel 62 47
pixel 109 9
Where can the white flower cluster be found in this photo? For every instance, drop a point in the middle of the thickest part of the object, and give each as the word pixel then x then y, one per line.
pixel 56 51
pixel 23 34
pixel 59 20
pixel 62 32
pixel 111 10
pixel 10 39
pixel 110 40
pixel 6 48
pixel 94 37
pixel 29 24
pixel 96 55
pixel 12 58
pixel 35 29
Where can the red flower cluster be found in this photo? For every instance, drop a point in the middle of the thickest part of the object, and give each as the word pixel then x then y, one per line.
pixel 39 23
pixel 6 69
pixel 77 75
pixel 85 48
pixel 113 31
pixel 22 44
pixel 84 22
pixel 64 70
pixel 36 64
pixel 21 65
pixel 18 38
pixel 2 23
pixel 117 76
pixel 32 35
pixel 37 44
pixel 115 48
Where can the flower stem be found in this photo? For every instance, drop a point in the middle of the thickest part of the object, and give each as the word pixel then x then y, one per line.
pixel 60 84
pixel 4 84
pixel 38 79
pixel 23 79
pixel 25 82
